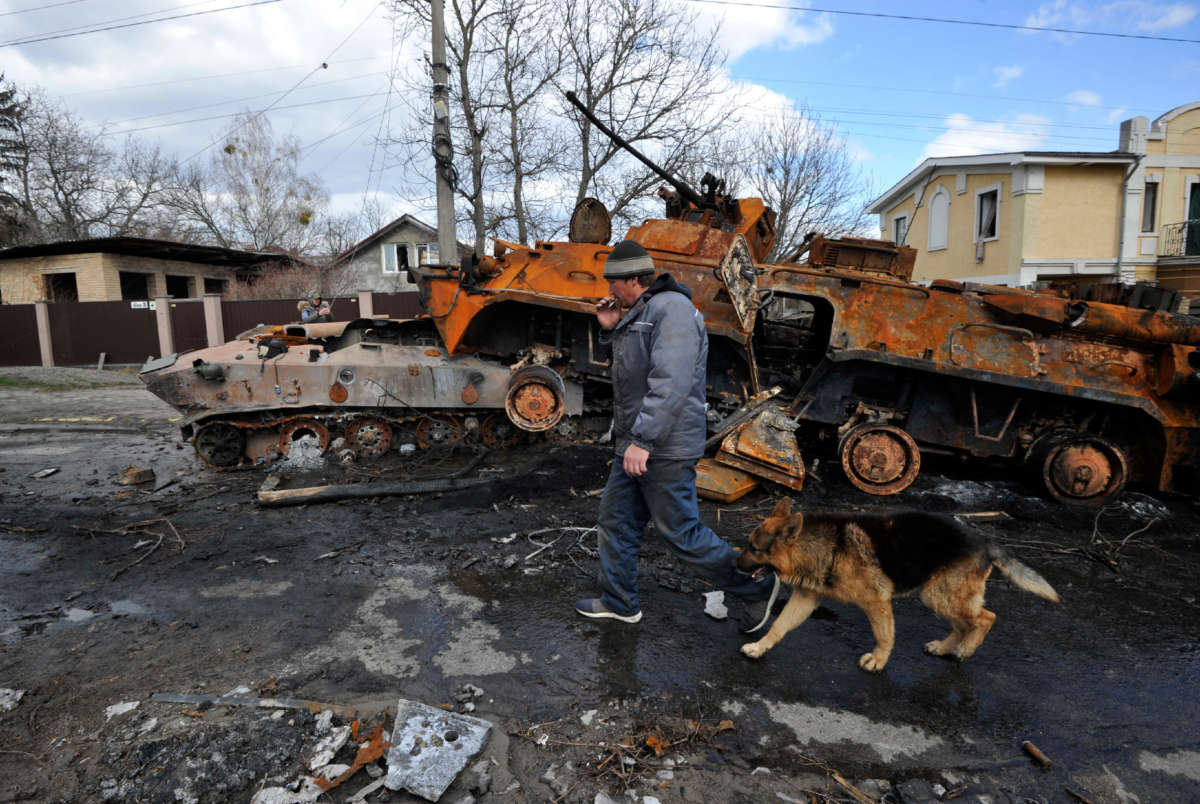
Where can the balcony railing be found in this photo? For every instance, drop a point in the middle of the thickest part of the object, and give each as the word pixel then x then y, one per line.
pixel 1180 239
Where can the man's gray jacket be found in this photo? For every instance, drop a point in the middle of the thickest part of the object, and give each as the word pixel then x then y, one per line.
pixel 659 362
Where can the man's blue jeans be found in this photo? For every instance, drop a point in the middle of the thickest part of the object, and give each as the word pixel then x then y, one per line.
pixel 666 496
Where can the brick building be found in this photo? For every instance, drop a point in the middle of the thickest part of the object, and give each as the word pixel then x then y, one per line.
pixel 123 269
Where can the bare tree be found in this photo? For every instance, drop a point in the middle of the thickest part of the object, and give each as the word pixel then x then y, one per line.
pixel 12 156
pixel 75 185
pixel 530 61
pixel 252 194
pixel 649 70
pixel 803 169
pixel 299 281
pixel 471 53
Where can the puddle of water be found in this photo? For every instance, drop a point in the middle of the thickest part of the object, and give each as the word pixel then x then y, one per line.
pixel 128 608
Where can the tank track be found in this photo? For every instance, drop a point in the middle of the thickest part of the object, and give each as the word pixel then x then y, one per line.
pixel 230 442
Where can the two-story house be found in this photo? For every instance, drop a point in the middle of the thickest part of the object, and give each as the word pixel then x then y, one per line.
pixel 381 261
pixel 1028 216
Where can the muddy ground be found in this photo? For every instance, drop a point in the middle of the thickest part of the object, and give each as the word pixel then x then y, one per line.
pixel 110 594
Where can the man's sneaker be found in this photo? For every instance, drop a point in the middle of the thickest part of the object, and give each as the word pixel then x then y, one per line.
pixel 593 607
pixel 751 616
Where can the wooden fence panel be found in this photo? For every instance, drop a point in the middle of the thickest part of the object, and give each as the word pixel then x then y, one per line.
pixel 19 343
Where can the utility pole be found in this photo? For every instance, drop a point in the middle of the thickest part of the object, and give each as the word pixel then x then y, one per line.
pixel 443 150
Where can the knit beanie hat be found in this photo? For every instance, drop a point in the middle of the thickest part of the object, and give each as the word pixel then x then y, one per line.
pixel 626 260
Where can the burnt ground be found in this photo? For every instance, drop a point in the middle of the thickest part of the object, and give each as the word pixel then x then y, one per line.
pixel 110 594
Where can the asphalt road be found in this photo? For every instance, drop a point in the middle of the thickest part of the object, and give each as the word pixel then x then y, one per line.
pixel 363 602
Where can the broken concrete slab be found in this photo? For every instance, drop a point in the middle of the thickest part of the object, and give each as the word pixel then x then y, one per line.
pixel 430 747
pixel 328 747
pixel 119 709
pixel 135 476
pixel 9 699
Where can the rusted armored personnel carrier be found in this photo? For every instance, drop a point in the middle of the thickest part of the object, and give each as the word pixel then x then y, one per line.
pixel 840 353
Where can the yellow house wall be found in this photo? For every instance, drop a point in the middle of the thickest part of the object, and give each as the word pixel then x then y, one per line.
pixel 957 260
pixel 97 276
pixel 1182 140
pixel 21 279
pixel 1080 215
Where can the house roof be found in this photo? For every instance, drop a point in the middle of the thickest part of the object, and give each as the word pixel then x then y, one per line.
pixel 926 169
pixel 384 231
pixel 144 247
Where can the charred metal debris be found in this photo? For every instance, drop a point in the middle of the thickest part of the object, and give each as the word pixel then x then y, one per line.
pixel 840 353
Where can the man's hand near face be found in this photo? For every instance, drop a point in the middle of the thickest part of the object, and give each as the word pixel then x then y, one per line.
pixel 608 312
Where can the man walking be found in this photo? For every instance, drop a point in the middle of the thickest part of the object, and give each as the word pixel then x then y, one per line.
pixel 659 362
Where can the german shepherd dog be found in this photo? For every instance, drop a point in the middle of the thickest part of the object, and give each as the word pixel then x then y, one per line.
pixel 869 558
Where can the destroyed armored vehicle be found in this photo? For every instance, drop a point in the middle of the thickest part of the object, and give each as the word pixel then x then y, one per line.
pixel 840 353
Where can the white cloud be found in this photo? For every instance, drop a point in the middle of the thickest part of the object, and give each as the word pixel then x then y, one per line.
pixel 745 28
pixel 966 136
pixel 1117 114
pixel 1006 74
pixel 1083 97
pixel 1140 15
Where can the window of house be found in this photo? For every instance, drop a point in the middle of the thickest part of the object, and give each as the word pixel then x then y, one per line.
pixel 61 288
pixel 214 285
pixel 134 286
pixel 987 210
pixel 427 254
pixel 900 228
pixel 1149 206
pixel 395 258
pixel 939 219
pixel 178 286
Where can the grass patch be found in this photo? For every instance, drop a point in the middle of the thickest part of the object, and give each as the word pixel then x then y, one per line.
pixel 63 384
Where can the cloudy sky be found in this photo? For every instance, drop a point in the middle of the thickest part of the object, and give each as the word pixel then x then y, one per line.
pixel 898 89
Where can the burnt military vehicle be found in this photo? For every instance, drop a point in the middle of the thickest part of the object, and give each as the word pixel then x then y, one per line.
pixel 841 353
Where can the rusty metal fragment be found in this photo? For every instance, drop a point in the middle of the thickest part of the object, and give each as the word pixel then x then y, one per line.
pixel 722 483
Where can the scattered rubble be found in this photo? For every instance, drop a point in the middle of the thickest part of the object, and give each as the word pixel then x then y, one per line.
pixel 135 476
pixel 430 747
pixel 10 698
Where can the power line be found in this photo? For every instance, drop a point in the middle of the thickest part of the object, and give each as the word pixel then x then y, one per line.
pixel 91 25
pixel 235 114
pixel 41 8
pixel 324 65
pixel 880 88
pixel 135 24
pixel 237 100
pixel 951 21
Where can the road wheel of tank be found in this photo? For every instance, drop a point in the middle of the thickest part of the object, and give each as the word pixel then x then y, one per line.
pixel 880 458
pixel 568 430
pixel 497 431
pixel 436 430
pixel 1084 469
pixel 536 399
pixel 220 445
pixel 297 429
pixel 369 437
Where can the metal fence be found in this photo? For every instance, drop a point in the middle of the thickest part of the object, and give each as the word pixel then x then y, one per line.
pixel 127 331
